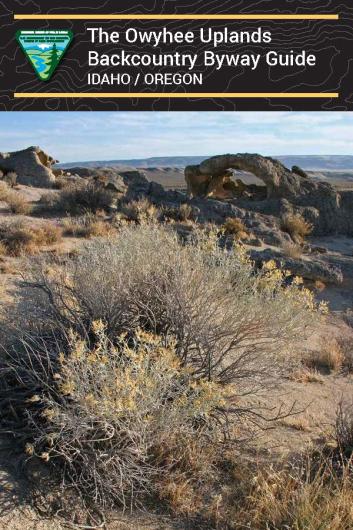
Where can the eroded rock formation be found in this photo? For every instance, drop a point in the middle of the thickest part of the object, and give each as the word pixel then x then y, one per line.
pixel 32 165
pixel 211 177
pixel 318 202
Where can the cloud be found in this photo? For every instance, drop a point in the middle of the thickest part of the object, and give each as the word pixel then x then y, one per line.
pixel 78 136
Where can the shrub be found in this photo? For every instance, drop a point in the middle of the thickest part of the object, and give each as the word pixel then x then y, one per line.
pixel 48 234
pixel 11 179
pixel 88 225
pixel 14 200
pixel 83 197
pixel 312 495
pixel 235 227
pixel 183 213
pixel 292 250
pixel 139 395
pixel 344 428
pixel 17 238
pixel 305 375
pixel 328 358
pixel 104 416
pixel 4 190
pixel 48 199
pixel 18 204
pixel 228 321
pixel 296 226
pixel 141 210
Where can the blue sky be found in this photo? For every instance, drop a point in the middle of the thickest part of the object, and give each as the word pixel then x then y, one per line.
pixel 74 136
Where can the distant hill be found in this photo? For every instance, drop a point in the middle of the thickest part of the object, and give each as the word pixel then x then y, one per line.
pixel 163 161
pixel 308 162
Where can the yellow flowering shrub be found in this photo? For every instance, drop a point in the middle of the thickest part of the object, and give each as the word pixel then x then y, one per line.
pixel 114 409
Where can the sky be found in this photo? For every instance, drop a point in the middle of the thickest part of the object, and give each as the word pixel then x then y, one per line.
pixel 81 136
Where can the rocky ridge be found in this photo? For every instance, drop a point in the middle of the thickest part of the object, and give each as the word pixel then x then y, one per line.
pixel 215 194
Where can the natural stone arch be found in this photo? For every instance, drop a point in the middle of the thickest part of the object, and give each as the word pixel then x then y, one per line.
pixel 212 178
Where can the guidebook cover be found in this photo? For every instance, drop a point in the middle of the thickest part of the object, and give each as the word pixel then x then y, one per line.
pixel 176 265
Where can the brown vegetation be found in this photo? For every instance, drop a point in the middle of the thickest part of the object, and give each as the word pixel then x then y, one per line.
pixel 235 227
pixel 292 250
pixel 77 199
pixel 140 211
pixel 328 358
pixel 15 201
pixel 17 238
pixel 87 226
pixel 296 226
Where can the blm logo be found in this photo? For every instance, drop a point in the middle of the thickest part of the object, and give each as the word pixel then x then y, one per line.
pixel 44 49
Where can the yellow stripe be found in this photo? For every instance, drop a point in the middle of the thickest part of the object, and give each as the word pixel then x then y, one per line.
pixel 259 16
pixel 192 95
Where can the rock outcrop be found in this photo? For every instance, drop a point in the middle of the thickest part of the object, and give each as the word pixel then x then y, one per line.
pixel 308 269
pixel 318 202
pixel 32 165
pixel 206 179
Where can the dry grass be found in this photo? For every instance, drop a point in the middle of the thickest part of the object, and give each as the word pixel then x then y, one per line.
pixel 296 226
pixel 18 239
pixel 11 178
pixel 48 199
pixel 15 201
pixel 48 234
pixel 319 286
pixel 306 375
pixel 328 358
pixel 344 428
pixel 313 496
pixel 87 226
pixel 4 189
pixel 83 197
pixel 183 213
pixel 3 249
pixel 140 211
pixel 235 227
pixel 347 350
pixel 18 204
pixel 292 250
pixel 186 212
pixel 297 423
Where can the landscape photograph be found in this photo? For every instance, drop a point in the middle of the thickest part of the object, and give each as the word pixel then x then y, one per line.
pixel 176 319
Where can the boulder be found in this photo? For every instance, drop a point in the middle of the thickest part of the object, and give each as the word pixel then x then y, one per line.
pixel 137 184
pixel 309 270
pixel 32 166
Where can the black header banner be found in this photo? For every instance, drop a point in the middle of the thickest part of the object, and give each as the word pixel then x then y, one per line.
pixel 176 55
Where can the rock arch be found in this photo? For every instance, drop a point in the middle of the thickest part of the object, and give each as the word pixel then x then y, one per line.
pixel 212 178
